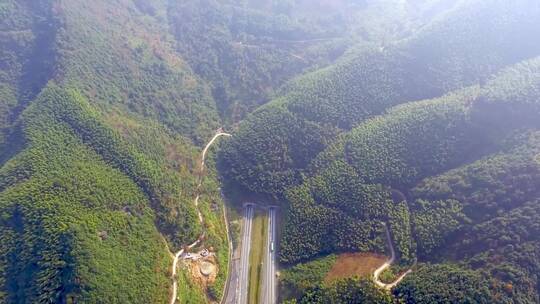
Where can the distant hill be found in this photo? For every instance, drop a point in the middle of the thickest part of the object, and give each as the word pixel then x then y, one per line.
pixel 464 48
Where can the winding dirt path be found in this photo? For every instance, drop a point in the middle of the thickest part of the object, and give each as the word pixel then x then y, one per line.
pixel 178 254
pixel 387 264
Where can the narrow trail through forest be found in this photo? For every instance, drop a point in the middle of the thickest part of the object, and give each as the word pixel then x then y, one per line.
pixel 387 264
pixel 181 251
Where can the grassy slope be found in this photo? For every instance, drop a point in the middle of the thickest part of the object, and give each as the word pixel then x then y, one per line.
pixel 188 291
pixel 211 205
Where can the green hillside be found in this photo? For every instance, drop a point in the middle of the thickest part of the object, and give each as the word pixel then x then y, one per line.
pixel 444 167
pixel 453 175
pixel 462 49
pixel 415 119
pixel 101 121
pixel 104 108
pixel 251 48
pixel 61 203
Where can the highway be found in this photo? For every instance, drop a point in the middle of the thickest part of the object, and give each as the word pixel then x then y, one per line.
pixel 243 274
pixel 269 279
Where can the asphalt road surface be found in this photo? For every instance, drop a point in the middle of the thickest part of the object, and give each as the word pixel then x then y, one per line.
pixel 269 280
pixel 243 276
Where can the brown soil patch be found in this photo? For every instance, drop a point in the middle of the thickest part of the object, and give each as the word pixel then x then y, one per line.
pixel 354 264
pixel 196 273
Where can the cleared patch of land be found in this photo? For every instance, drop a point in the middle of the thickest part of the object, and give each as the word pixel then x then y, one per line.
pixel 354 264
pixel 258 247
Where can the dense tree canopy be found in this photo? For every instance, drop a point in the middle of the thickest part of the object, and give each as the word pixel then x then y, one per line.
pixel 450 175
pixel 420 117
pixel 443 284
pixel 346 291
pixel 464 48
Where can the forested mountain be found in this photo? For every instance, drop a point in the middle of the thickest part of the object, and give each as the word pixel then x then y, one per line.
pixel 104 108
pixel 250 48
pixel 101 123
pixel 357 117
pixel 456 179
pixel 442 57
pixel 434 135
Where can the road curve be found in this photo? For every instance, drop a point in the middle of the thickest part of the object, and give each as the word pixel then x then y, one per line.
pixel 196 202
pixel 209 144
pixel 387 264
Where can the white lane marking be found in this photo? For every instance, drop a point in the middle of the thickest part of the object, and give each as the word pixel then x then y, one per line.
pixel 244 259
